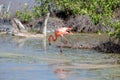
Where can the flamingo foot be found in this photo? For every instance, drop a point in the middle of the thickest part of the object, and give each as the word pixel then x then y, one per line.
pixel 61 51
pixel 49 44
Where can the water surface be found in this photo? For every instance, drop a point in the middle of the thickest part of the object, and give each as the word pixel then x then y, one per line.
pixel 31 59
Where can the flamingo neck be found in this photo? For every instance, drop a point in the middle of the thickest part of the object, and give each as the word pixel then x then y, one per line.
pixel 53 38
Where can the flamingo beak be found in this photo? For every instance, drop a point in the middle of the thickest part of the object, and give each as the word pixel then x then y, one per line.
pixel 69 28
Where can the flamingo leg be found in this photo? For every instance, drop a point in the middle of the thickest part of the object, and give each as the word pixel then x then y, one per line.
pixel 66 39
pixel 61 44
pixel 61 49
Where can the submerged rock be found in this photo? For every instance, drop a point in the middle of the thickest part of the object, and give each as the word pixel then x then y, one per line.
pixel 85 46
pixel 108 47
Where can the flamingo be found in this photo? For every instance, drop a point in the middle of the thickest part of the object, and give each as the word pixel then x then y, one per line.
pixel 60 32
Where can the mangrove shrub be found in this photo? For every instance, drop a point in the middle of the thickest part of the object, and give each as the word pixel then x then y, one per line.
pixel 97 10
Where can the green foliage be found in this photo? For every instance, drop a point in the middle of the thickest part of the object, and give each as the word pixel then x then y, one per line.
pixel 116 32
pixel 69 4
pixel 96 9
pixel 36 12
pixel 41 8
pixel 113 28
pixel 6 15
pixel 24 16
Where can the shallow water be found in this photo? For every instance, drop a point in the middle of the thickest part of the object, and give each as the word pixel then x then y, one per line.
pixel 32 59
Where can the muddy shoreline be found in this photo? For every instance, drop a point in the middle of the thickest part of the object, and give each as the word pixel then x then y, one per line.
pixel 100 43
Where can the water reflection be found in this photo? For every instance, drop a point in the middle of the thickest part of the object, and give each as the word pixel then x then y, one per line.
pixel 15 43
pixel 68 71
pixel 61 72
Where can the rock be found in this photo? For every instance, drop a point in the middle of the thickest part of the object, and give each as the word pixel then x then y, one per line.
pixel 20 26
pixel 5 26
pixel 5 21
pixel 20 30
pixel 108 47
pixel 81 24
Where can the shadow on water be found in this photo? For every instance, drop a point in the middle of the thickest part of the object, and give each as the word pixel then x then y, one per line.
pixel 31 59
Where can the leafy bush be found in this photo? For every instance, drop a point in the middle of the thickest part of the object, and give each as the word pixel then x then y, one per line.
pixel 24 16
pixel 116 32
pixel 96 9
pixel 41 8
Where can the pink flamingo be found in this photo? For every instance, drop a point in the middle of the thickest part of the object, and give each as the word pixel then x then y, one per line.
pixel 60 32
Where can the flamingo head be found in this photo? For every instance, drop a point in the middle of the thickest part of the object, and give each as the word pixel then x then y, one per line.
pixel 69 30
